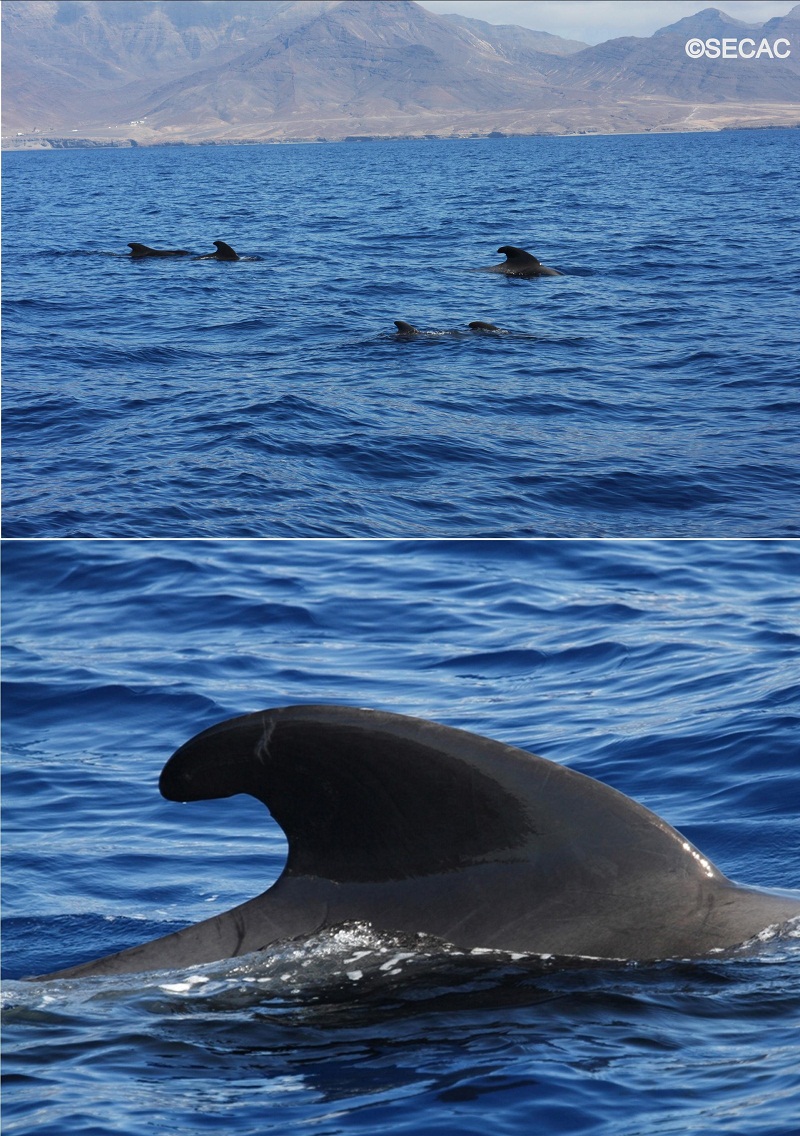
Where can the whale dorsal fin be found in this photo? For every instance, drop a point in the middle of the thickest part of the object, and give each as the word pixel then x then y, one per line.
pixel 366 795
pixel 519 257
pixel 416 827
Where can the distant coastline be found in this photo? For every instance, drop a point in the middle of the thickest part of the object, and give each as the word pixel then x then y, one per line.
pixel 42 142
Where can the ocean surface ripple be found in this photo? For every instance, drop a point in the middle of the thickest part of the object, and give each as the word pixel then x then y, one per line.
pixel 650 390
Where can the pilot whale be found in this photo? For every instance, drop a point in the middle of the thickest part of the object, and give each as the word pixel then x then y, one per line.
pixel 224 252
pixel 145 250
pixel 518 262
pixel 404 328
pixel 412 826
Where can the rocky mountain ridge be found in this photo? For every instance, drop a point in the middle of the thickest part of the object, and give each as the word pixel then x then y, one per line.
pixel 155 71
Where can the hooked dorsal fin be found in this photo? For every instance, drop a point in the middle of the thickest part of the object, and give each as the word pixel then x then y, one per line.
pixel 412 826
pixel 368 795
pixel 225 252
pixel 360 794
pixel 518 257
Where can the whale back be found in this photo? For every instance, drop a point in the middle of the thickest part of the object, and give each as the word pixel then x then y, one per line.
pixel 145 250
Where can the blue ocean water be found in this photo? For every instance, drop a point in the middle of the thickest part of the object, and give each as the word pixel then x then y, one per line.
pixel 650 390
pixel 666 669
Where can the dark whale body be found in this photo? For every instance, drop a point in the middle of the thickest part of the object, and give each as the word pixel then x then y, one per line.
pixel 518 262
pixel 404 328
pixel 145 250
pixel 412 826
pixel 224 252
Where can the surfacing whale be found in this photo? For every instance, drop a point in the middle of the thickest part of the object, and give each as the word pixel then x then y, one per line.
pixel 224 252
pixel 145 250
pixel 415 827
pixel 518 262
pixel 404 328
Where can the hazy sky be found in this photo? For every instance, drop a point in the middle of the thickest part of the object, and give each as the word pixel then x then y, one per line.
pixel 596 20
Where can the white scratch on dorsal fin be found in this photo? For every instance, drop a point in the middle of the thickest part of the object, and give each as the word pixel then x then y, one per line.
pixel 262 745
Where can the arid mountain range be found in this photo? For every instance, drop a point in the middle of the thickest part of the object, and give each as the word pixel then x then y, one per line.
pixel 182 71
